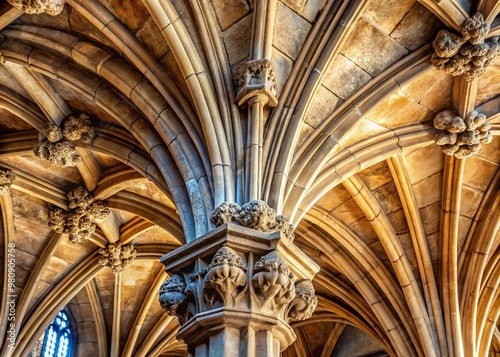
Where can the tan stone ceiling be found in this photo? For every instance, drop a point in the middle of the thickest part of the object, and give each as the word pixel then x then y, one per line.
pixel 348 155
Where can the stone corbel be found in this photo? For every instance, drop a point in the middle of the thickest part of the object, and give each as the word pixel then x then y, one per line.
pixel 172 294
pixel 7 177
pixel 256 79
pixel 468 54
pixel 51 7
pixel 304 302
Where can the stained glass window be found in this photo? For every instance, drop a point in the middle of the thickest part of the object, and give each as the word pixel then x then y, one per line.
pixel 56 339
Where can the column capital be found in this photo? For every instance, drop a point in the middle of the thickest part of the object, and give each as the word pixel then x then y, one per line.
pixel 256 79
pixel 239 281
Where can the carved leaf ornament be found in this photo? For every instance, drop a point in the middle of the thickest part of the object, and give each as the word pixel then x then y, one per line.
pixel 7 177
pixel 117 256
pixel 461 137
pixel 255 215
pixel 79 222
pixel 468 54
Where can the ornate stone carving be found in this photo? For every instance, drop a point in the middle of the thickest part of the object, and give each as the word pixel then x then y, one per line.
pixel 79 223
pixel 117 256
pixel 172 294
pixel 225 274
pixel 468 54
pixel 255 215
pixel 304 302
pixel 273 282
pixel 256 78
pixel 235 278
pixel 78 129
pixel 225 213
pixel 461 137
pixel 54 145
pixel 7 177
pixel 52 7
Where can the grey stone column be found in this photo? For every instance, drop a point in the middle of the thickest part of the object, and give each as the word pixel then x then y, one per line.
pixel 236 289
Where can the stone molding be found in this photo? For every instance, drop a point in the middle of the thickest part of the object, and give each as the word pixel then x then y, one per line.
pixel 79 222
pixel 237 278
pixel 256 215
pixel 468 54
pixel 7 177
pixel 256 79
pixel 54 144
pixel 117 256
pixel 51 7
pixel 461 137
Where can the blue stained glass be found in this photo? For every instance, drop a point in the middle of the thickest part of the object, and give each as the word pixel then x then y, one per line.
pixel 57 339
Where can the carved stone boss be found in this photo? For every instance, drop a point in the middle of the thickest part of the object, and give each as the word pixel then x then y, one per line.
pixel 7 177
pixel 461 137
pixel 239 282
pixel 79 222
pixel 468 54
pixel 54 144
pixel 117 256
pixel 52 7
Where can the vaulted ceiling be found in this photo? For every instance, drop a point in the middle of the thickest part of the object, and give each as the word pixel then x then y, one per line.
pixel 406 236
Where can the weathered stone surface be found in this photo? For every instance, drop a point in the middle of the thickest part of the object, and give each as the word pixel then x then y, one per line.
pixel 150 35
pixel 425 191
pixel 423 162
pixel 237 39
pixel 439 96
pixel 230 11
pixel 371 49
pixel 430 218
pixel 322 105
pixel 132 13
pixel 417 28
pixel 306 8
pixel 282 68
pixel 344 77
pixel 388 198
pixel 489 85
pixel 363 129
pixel 398 110
pixel 376 176
pixel 479 172
pixel 285 20
pixel 334 198
pixel 386 14
pixel 471 198
pixel 51 7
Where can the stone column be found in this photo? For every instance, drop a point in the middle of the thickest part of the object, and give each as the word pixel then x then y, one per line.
pixel 236 289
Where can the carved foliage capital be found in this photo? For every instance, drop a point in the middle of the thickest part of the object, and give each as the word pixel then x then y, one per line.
pixel 54 144
pixel 225 274
pixel 273 282
pixel 7 177
pixel 51 7
pixel 461 137
pixel 256 78
pixel 255 215
pixel 304 303
pixel 468 54
pixel 79 222
pixel 117 256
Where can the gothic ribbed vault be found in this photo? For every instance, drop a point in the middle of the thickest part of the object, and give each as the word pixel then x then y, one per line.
pixel 406 237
